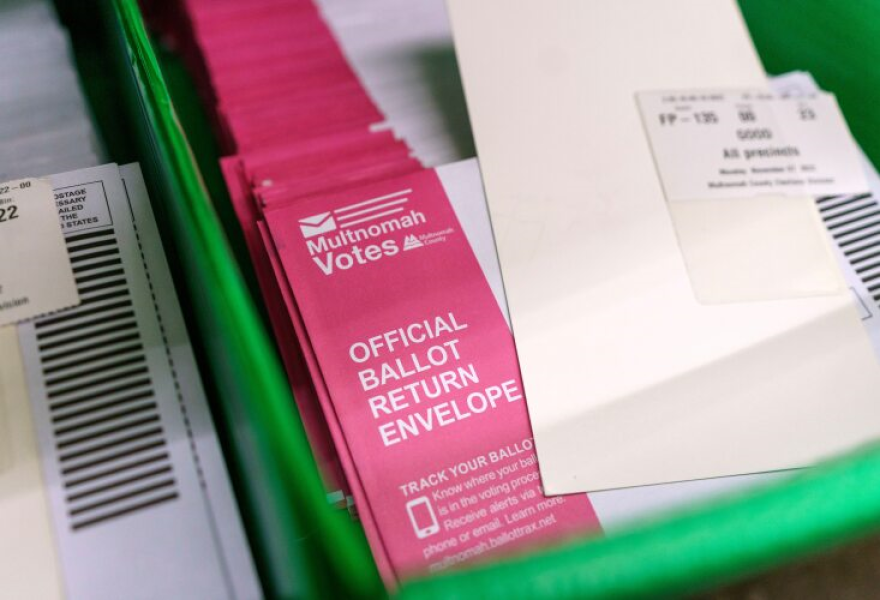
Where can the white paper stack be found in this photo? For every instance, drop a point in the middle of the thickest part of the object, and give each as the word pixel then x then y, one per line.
pixel 45 124
pixel 402 51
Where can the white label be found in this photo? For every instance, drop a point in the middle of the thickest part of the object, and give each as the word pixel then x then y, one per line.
pixel 732 144
pixel 35 271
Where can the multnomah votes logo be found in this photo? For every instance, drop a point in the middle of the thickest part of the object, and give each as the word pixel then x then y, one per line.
pixel 347 236
pixel 411 242
pixel 318 224
pixel 355 214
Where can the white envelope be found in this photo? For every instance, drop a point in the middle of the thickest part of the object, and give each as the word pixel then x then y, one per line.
pixel 317 224
pixel 28 563
pixel 629 379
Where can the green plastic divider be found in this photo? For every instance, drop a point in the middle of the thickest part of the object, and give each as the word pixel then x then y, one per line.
pixel 838 42
pixel 305 549
pixel 715 544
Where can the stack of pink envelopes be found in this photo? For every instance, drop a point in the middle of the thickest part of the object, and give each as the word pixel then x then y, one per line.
pixel 396 345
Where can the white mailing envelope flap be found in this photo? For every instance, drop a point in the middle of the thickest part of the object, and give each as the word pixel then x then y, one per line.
pixel 629 378
pixel 317 224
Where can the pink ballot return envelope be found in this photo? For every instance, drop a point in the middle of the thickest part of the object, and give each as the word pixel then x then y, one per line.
pixel 420 365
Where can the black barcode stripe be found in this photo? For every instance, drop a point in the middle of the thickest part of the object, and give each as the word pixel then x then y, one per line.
pixel 103 315
pixel 870 276
pixel 78 258
pixel 845 202
pixel 867 267
pixel 107 428
pixel 57 391
pixel 834 226
pixel 97 408
pixel 107 431
pixel 869 271
pixel 114 445
pixel 92 368
pixel 106 318
pixel 98 265
pixel 122 339
pixel 864 247
pixel 845 243
pixel 108 296
pixel 125 511
pixel 99 382
pixel 835 223
pixel 107 368
pixel 97 287
pixel 850 211
pixel 74 248
pixel 155 458
pixel 104 460
pixel 125 362
pixel 855 229
pixel 861 259
pixel 102 394
pixel 78 314
pixel 89 246
pixel 121 414
pixel 126 496
pixel 95 276
pixel 119 328
pixel 78 237
pixel 118 483
pixel 86 360
pixel 852 222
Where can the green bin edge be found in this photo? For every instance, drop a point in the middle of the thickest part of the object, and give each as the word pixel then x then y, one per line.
pixel 303 547
pixel 707 545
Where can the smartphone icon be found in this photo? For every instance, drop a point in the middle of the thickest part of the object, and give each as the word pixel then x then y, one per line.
pixel 421 515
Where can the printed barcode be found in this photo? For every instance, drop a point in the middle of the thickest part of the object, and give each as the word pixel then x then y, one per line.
pixel 105 421
pixel 854 223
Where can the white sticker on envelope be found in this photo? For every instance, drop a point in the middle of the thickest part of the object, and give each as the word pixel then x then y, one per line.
pixel 740 171
pixel 36 276
pixel 756 248
pixel 735 144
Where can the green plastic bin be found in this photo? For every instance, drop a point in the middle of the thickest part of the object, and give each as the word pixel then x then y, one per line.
pixel 147 110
